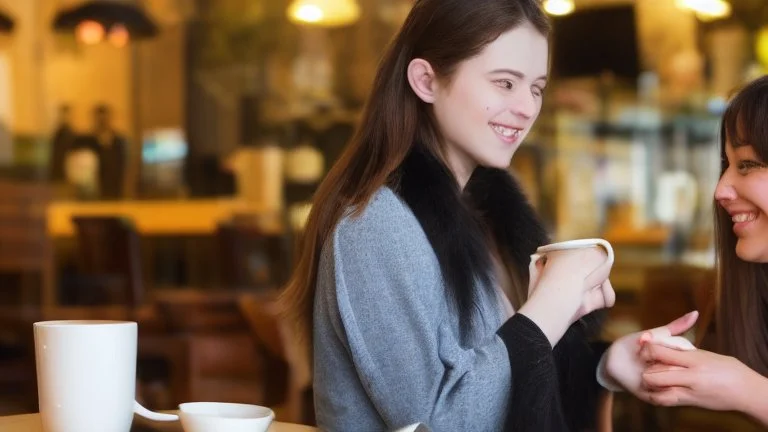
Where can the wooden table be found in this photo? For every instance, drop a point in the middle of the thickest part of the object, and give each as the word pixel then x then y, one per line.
pixel 31 423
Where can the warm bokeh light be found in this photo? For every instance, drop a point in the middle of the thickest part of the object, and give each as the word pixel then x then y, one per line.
pixel 761 47
pixel 89 32
pixel 119 36
pixel 707 10
pixel 558 7
pixel 327 13
pixel 309 13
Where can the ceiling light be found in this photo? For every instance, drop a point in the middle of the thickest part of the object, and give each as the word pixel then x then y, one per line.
pixel 326 13
pixel 558 7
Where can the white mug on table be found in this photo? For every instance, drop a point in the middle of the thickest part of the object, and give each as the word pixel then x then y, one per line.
pixel 86 379
pixel 86 375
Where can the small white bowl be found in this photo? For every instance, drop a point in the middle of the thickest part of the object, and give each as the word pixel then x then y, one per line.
pixel 224 417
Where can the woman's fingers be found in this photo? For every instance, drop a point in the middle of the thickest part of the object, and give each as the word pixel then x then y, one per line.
pixel 609 295
pixel 600 274
pixel 672 396
pixel 662 376
pixel 595 299
pixel 653 353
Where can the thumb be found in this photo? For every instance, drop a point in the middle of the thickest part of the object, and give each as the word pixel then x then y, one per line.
pixel 676 327
pixel 682 324
pixel 653 353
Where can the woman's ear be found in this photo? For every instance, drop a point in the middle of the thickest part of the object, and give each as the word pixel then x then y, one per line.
pixel 421 77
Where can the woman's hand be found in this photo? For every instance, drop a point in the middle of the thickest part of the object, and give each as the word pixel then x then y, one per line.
pixel 624 362
pixel 568 285
pixel 702 378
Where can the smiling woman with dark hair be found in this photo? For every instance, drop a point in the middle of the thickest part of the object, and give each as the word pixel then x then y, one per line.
pixel 413 279
pixel 702 378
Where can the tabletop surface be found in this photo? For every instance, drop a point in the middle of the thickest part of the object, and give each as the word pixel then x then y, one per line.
pixel 31 423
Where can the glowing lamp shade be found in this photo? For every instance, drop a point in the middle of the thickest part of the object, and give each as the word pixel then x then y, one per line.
pixel 325 13
pixel 116 21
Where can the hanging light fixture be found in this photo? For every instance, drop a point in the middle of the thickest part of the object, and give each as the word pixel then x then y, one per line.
pixel 559 7
pixel 707 10
pixel 325 13
pixel 6 23
pixel 117 21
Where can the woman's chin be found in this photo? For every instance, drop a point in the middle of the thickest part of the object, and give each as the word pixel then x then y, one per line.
pixel 750 252
pixel 498 163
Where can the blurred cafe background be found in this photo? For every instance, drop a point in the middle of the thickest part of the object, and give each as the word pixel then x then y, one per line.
pixel 158 160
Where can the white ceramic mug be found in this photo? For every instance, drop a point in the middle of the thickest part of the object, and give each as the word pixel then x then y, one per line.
pixel 542 251
pixel 86 376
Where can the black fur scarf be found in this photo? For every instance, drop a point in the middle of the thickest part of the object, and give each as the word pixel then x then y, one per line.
pixel 457 224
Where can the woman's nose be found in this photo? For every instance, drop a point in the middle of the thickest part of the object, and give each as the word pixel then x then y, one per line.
pixel 524 105
pixel 725 190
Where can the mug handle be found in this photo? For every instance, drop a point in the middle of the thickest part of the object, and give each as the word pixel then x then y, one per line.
pixel 602 272
pixel 151 415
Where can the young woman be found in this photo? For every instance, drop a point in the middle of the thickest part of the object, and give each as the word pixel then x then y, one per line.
pixel 413 274
pixel 706 379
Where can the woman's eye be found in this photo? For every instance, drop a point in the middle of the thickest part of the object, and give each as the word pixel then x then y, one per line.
pixel 746 166
pixel 506 84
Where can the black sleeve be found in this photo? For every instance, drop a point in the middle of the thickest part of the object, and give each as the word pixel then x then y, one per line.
pixel 535 401
pixel 576 359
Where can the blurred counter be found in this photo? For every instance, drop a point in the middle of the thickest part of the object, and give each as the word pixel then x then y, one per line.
pixel 170 218
pixel 651 236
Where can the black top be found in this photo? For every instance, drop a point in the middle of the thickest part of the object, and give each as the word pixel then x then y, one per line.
pixel 558 390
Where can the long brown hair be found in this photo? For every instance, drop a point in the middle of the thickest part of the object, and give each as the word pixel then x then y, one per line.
pixel 442 32
pixel 743 286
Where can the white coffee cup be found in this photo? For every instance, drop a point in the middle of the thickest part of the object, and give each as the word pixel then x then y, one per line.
pixel 542 251
pixel 86 373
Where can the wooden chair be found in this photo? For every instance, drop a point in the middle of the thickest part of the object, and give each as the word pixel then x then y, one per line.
pixel 248 257
pixel 209 348
pixel 25 250
pixel 25 247
pixel 109 262
pixel 705 299
pixel 670 291
pixel 287 379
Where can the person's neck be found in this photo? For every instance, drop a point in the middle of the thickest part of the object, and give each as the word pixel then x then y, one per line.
pixel 461 166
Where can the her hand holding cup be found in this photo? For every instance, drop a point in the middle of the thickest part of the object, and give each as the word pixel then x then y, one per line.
pixel 567 281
